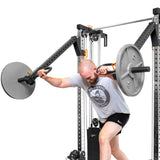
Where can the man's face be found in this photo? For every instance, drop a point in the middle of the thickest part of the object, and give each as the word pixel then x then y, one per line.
pixel 89 76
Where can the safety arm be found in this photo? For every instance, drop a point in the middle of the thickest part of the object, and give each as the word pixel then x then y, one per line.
pixel 145 34
pixel 73 40
pixel 58 53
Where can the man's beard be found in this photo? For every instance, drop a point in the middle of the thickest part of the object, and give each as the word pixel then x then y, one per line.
pixel 94 81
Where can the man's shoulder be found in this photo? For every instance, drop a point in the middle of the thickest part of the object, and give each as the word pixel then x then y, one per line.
pixel 75 80
pixel 106 80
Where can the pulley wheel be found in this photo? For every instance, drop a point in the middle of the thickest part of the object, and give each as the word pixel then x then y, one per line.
pixel 130 83
pixel 9 80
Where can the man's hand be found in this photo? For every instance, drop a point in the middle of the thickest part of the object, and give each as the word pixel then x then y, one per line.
pixel 102 71
pixel 42 73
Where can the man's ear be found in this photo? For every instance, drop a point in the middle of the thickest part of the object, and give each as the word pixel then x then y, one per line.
pixel 95 69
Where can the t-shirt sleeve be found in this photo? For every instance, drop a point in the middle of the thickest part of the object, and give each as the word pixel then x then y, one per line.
pixel 75 80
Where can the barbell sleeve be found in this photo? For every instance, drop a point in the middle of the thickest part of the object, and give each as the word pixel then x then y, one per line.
pixel 140 69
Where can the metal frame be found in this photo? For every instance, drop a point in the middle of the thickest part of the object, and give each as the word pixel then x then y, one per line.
pixel 82 109
pixel 156 87
pixel 79 42
pixel 81 104
pixel 122 24
pixel 156 104
pixel 153 30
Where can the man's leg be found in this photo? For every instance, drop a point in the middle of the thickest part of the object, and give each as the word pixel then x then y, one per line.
pixel 115 150
pixel 108 132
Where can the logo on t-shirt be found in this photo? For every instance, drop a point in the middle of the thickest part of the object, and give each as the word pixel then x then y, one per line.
pixel 99 95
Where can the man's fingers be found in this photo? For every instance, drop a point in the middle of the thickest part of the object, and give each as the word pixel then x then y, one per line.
pixel 102 71
pixel 41 73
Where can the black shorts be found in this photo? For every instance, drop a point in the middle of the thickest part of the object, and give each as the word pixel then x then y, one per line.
pixel 119 118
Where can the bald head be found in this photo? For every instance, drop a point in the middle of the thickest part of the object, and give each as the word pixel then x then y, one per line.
pixel 86 65
pixel 87 71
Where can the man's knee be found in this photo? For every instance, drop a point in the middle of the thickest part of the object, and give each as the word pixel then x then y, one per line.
pixel 103 139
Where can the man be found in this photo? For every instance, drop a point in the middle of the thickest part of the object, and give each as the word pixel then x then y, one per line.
pixel 107 100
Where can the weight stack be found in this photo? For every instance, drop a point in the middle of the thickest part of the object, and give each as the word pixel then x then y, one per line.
pixel 93 143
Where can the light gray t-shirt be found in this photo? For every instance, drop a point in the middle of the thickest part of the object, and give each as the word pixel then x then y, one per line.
pixel 105 95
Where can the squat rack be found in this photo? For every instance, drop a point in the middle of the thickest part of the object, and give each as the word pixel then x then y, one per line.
pixel 12 82
pixel 153 30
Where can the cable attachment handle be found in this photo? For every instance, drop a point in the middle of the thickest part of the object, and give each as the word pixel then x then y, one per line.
pixel 107 64
pixel 48 69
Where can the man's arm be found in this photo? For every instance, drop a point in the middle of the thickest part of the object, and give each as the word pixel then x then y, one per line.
pixel 102 72
pixel 56 82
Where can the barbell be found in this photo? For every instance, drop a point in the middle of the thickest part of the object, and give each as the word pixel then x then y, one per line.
pixel 18 82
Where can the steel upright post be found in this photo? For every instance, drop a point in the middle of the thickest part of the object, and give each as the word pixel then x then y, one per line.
pixel 156 86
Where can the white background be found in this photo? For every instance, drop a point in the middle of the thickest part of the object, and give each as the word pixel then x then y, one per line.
pixel 44 126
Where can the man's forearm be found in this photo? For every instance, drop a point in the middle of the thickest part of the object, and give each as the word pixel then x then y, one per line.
pixel 56 82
